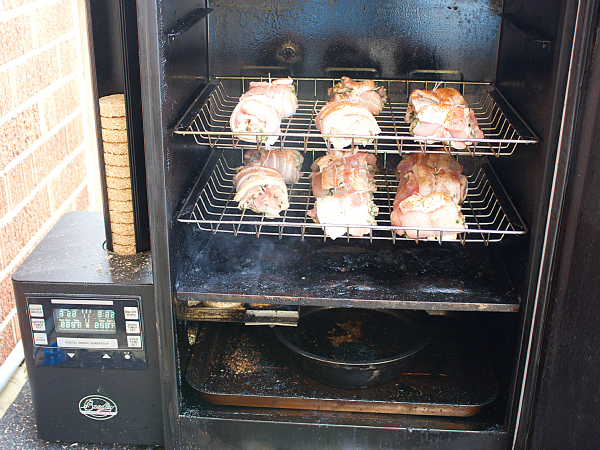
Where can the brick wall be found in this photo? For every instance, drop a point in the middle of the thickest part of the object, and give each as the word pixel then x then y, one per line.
pixel 46 155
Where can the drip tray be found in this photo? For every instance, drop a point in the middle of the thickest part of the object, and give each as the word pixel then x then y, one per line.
pixel 240 365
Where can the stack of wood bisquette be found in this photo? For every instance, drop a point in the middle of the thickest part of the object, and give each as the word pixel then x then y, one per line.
pixel 118 176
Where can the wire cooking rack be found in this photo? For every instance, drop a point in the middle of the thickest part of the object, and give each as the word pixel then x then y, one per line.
pixel 489 213
pixel 208 117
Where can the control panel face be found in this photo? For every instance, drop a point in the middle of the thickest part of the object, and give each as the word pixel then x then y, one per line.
pixel 91 332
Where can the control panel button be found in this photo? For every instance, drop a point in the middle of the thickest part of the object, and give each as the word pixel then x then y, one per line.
pixel 106 355
pixel 40 339
pixel 134 341
pixel 36 310
pixel 38 324
pixel 131 312
pixel 132 327
pixel 71 355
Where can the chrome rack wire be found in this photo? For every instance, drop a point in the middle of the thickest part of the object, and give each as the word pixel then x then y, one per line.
pixel 207 119
pixel 488 211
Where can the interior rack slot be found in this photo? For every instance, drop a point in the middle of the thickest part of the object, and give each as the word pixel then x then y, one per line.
pixel 489 213
pixel 208 117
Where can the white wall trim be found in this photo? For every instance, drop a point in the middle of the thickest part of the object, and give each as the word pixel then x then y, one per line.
pixel 11 364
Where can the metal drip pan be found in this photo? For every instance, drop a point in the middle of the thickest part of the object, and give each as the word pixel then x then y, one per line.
pixel 243 366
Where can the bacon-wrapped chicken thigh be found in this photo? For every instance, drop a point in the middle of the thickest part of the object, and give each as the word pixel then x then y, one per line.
pixel 435 210
pixel 364 93
pixel 343 186
pixel 346 118
pixel 423 180
pixel 287 161
pixel 340 172
pixel 434 160
pixel 261 108
pixel 262 190
pixel 441 113
pixel 281 90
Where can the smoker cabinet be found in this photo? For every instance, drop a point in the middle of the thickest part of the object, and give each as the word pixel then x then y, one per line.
pixel 89 336
pixel 541 58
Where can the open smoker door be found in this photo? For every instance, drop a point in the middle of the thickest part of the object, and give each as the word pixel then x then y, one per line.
pixel 563 380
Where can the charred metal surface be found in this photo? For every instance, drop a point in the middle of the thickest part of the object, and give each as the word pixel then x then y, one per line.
pixel 244 315
pixel 389 36
pixel 237 365
pixel 356 274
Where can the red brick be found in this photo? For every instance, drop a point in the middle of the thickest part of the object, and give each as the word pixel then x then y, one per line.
pixel 67 57
pixel 7 341
pixel 74 133
pixel 65 183
pixel 35 74
pixel 6 98
pixel 82 200
pixel 21 229
pixel 18 133
pixel 7 297
pixel 52 22
pixel 49 155
pixel 16 38
pixel 16 328
pixel 3 261
pixel 12 4
pixel 3 196
pixel 20 181
pixel 60 103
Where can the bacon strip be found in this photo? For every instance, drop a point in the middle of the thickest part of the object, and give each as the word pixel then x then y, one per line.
pixel 286 161
pixel 364 93
pixel 346 118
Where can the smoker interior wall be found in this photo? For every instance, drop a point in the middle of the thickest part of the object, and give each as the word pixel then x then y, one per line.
pixel 394 38
pixel 528 75
pixel 183 37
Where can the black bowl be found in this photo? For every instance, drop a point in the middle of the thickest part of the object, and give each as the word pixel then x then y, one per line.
pixel 355 348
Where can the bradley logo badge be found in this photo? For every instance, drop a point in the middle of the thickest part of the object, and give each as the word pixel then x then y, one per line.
pixel 97 407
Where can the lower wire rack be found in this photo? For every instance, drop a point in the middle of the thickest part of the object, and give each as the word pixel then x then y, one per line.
pixel 488 211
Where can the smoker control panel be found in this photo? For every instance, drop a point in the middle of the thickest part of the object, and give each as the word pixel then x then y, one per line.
pixel 104 332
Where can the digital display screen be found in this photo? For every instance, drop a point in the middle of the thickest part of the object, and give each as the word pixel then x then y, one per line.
pixel 83 320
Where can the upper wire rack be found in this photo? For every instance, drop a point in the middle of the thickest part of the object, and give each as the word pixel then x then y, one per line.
pixel 208 117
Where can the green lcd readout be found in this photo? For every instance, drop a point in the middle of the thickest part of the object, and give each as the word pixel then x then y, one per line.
pixel 82 320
